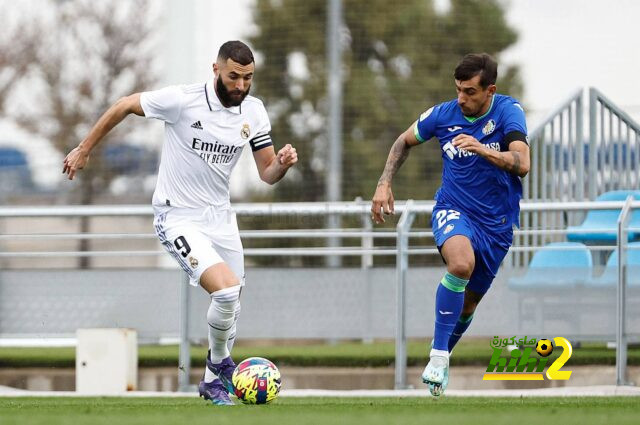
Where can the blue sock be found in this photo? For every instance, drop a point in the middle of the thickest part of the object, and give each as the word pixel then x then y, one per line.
pixel 461 326
pixel 449 301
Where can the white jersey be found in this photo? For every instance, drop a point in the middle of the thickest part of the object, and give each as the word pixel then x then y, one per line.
pixel 203 141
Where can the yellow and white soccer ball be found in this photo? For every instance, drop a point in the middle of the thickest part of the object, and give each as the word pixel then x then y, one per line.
pixel 544 347
pixel 256 381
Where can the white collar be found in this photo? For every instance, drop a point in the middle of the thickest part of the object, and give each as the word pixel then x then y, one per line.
pixel 214 102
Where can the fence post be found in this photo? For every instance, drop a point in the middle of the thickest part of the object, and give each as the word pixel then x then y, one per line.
pixel 402 264
pixel 333 180
pixel 184 361
pixel 367 241
pixel 580 149
pixel 621 337
pixel 593 148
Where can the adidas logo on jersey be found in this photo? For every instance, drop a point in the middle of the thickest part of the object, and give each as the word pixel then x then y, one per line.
pixel 197 125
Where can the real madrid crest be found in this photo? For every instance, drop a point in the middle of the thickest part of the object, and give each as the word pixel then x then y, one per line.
pixel 193 262
pixel 244 133
pixel 489 127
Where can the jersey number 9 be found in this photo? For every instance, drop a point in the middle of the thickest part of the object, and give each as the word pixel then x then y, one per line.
pixel 182 246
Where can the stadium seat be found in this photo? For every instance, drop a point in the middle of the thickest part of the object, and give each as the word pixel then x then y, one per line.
pixel 591 228
pixel 556 265
pixel 610 275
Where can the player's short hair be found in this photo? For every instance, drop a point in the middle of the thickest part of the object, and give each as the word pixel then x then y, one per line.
pixel 237 51
pixel 477 64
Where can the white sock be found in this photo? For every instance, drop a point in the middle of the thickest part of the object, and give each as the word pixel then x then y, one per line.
pixel 440 353
pixel 232 335
pixel 221 318
pixel 209 376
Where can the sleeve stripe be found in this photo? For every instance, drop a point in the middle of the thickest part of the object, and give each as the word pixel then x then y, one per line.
pixel 417 133
pixel 262 142
pixel 260 137
pixel 257 147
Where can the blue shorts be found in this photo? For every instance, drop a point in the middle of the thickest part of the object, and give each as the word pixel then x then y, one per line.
pixel 489 248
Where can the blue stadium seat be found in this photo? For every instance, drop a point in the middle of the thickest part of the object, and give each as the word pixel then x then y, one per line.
pixel 610 275
pixel 15 174
pixel 605 219
pixel 558 264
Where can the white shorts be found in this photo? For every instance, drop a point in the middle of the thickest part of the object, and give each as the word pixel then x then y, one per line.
pixel 199 238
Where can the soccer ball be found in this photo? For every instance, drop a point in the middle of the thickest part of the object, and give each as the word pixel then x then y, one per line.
pixel 544 347
pixel 256 381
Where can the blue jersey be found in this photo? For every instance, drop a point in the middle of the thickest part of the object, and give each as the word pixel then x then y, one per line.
pixel 470 183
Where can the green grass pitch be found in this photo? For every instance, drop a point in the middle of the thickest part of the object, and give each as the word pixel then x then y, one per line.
pixel 331 411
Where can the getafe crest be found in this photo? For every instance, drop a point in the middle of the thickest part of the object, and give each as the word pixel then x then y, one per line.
pixel 489 127
pixel 244 133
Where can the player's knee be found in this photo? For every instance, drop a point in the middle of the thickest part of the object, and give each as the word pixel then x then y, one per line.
pixel 217 277
pixel 460 267
pixel 468 309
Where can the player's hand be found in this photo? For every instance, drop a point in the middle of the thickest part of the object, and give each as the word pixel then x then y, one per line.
pixel 468 143
pixel 382 203
pixel 287 156
pixel 74 161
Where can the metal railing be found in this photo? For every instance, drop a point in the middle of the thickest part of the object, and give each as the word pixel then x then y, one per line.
pixel 571 164
pixel 621 332
pixel 614 146
pixel 403 250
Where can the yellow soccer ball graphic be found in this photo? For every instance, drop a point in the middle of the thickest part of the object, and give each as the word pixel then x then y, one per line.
pixel 544 347
pixel 256 381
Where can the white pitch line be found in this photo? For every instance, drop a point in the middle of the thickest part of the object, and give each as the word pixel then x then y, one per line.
pixel 598 391
pixel 589 391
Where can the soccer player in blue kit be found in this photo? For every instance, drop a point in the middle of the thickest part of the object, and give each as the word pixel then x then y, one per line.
pixel 483 138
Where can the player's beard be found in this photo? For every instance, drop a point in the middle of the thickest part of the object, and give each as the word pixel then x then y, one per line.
pixel 228 98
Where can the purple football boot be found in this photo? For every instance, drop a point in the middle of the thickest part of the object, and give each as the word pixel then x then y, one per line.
pixel 215 392
pixel 224 371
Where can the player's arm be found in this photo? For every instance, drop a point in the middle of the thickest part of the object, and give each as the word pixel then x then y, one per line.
pixel 383 198
pixel 78 157
pixel 516 160
pixel 271 166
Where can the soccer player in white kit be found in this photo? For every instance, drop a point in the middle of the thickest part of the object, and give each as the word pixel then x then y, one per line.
pixel 207 125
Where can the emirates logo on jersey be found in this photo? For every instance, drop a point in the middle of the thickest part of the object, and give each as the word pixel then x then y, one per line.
pixel 215 152
pixel 245 132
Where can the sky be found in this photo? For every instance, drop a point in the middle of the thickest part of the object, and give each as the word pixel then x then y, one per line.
pixel 568 44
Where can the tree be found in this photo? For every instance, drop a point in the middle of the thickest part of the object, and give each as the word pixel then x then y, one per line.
pixel 13 64
pixel 84 56
pixel 398 61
